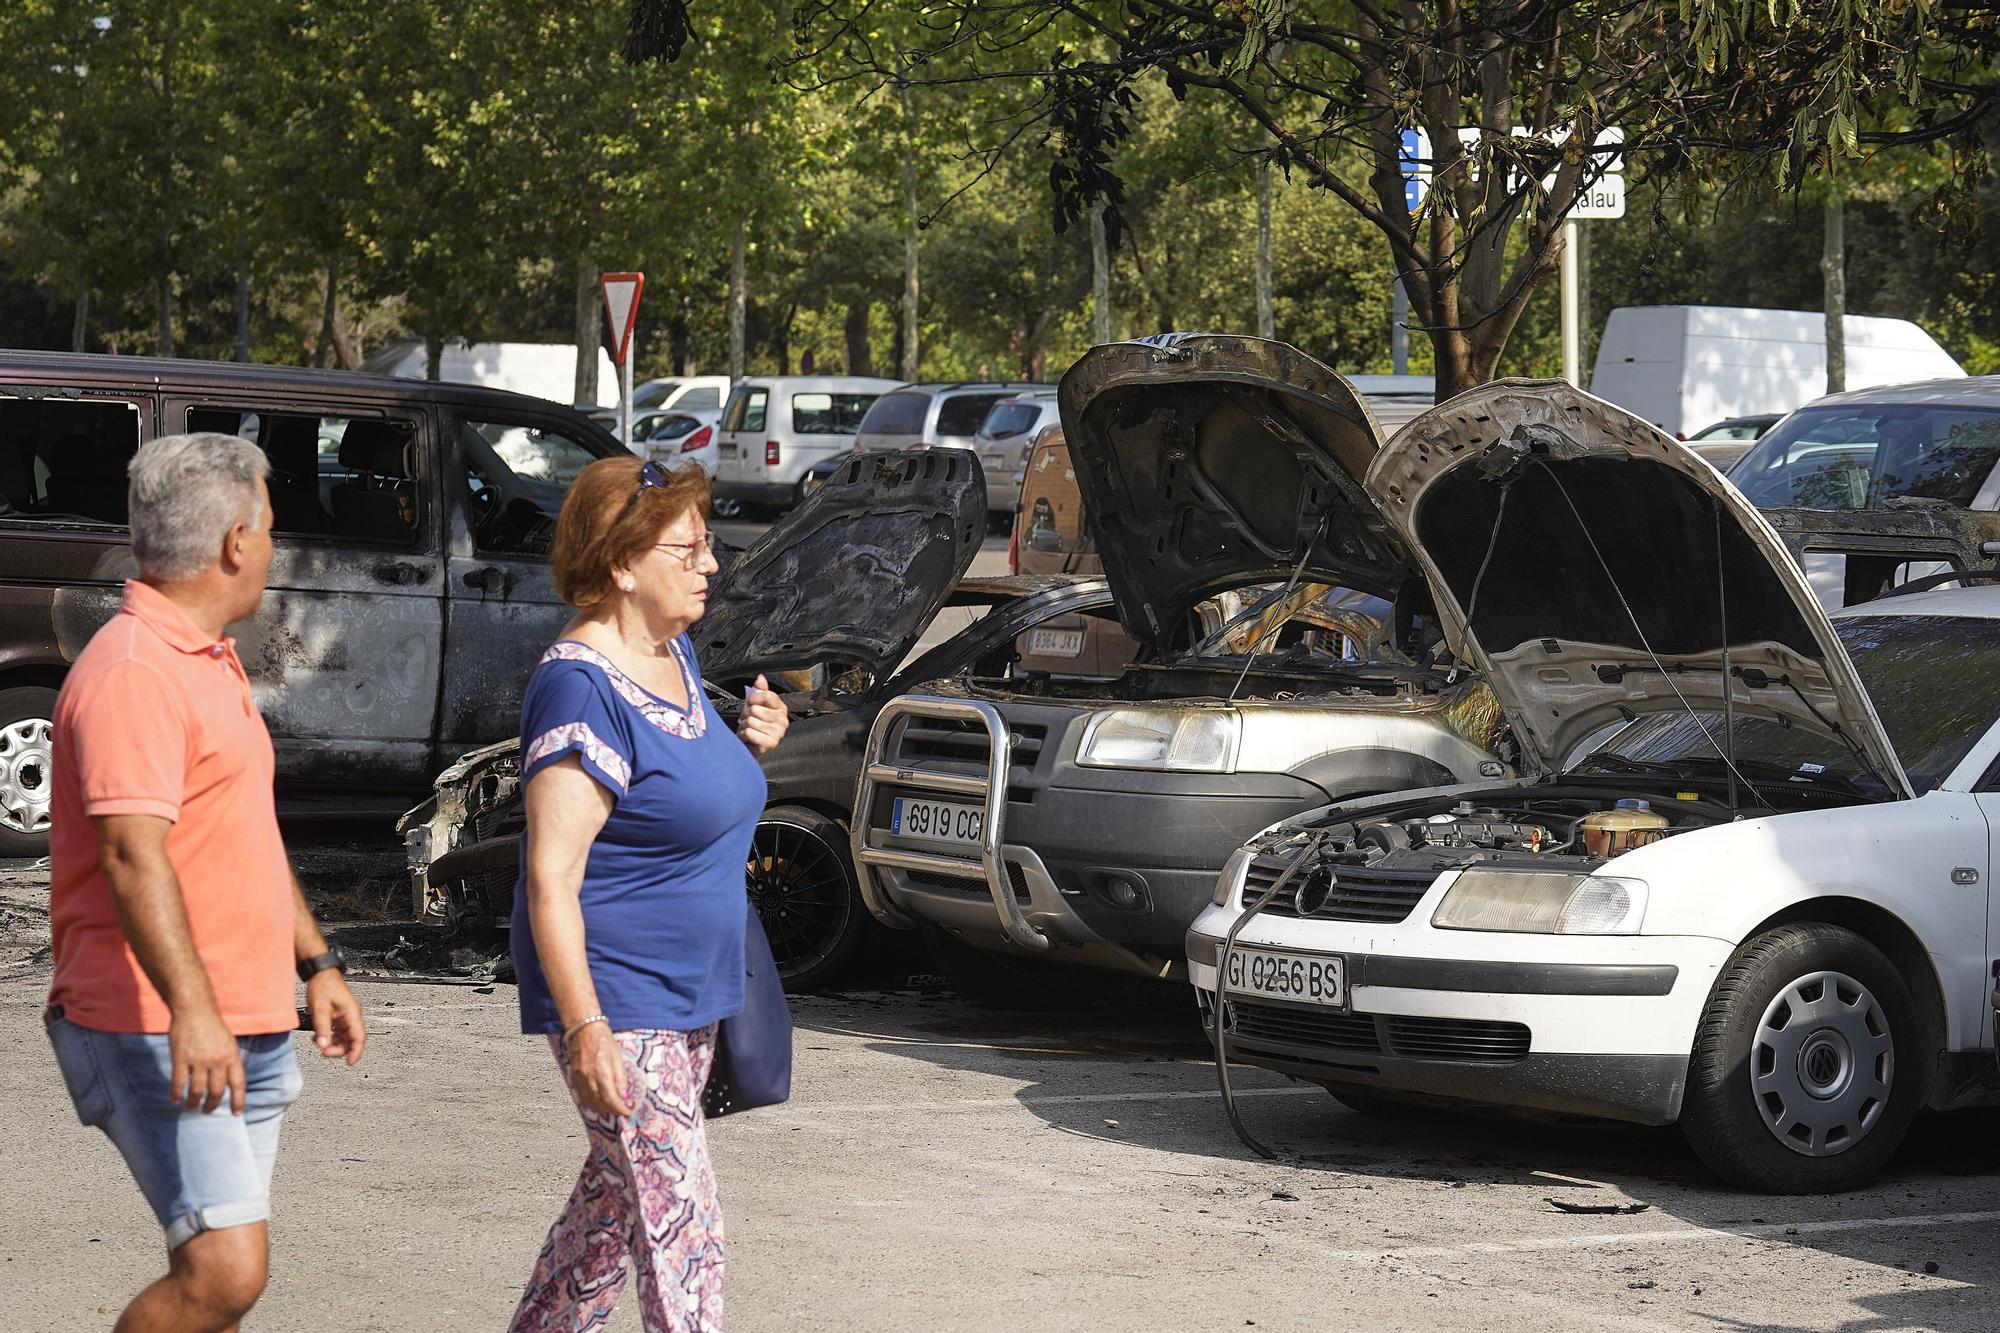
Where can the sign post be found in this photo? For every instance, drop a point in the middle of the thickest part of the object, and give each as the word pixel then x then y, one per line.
pixel 1603 197
pixel 621 309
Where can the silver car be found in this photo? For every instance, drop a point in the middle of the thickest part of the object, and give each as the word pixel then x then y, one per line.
pixel 1010 429
pixel 925 416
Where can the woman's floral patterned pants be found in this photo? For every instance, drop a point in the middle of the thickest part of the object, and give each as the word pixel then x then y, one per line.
pixel 646 1200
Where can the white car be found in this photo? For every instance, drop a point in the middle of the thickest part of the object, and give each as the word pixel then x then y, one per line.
pixel 675 437
pixel 775 427
pixel 1748 912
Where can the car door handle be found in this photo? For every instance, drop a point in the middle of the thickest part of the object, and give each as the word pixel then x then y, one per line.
pixel 488 579
pixel 400 572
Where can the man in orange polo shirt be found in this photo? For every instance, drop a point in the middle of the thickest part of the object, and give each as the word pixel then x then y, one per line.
pixel 178 923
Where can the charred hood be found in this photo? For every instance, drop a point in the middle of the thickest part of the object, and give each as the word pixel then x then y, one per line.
pixel 1211 461
pixel 1597 570
pixel 852 575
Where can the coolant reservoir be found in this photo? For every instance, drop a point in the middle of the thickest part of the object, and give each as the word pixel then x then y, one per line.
pixel 1626 825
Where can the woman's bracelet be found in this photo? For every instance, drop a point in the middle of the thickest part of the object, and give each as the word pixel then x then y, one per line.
pixel 583 1023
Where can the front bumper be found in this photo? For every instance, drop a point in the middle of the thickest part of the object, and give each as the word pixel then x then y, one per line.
pixel 1106 867
pixel 1585 1025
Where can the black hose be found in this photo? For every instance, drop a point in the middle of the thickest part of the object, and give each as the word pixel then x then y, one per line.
pixel 1221 989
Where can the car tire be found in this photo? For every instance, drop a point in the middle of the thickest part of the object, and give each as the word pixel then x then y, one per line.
pixel 26 714
pixel 802 883
pixel 1806 1066
pixel 799 491
pixel 725 508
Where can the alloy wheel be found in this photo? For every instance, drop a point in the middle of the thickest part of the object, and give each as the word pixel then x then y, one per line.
pixel 24 775
pixel 1822 1064
pixel 799 886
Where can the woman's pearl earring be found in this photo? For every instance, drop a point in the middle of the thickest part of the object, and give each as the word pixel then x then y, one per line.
pixel 629 584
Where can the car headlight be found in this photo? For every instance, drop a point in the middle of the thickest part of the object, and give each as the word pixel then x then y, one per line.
pixel 1180 740
pixel 1542 903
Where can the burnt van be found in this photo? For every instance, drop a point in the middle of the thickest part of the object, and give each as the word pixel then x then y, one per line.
pixel 409 590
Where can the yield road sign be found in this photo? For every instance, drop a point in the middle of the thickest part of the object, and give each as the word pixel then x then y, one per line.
pixel 621 307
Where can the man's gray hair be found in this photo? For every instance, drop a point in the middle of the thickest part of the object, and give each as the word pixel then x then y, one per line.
pixel 187 492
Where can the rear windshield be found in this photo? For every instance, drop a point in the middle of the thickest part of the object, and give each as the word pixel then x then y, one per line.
pixel 706 398
pixel 1007 420
pixel 1861 457
pixel 652 395
pixel 897 414
pixel 961 413
pixel 829 413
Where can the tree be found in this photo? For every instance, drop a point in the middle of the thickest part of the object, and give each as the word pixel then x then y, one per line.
pixel 1512 96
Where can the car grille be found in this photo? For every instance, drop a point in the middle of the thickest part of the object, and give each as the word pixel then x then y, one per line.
pixel 1458 1039
pixel 957 741
pixel 931 879
pixel 1361 893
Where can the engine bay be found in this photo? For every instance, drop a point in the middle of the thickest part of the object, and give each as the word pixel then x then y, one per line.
pixel 1585 826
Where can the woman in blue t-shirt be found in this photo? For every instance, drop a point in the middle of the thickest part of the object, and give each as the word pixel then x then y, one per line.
pixel 629 917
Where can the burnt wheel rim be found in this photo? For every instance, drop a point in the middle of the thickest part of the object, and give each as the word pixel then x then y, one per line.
pixel 799 884
pixel 24 775
pixel 1822 1064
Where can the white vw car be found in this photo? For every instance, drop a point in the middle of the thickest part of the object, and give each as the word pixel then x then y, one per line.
pixel 1763 911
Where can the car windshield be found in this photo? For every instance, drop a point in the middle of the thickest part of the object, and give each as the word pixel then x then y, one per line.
pixel 897 414
pixel 1729 430
pixel 1934 680
pixel 652 395
pixel 1862 457
pixel 1007 420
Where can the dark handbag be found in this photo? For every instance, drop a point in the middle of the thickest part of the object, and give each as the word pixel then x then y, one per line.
pixel 753 1049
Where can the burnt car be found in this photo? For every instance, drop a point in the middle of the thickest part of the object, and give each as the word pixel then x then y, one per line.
pixel 1085 821
pixel 409 579
pixel 826 604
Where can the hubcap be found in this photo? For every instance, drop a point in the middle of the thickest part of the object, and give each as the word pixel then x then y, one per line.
pixel 799 886
pixel 24 775
pixel 1822 1064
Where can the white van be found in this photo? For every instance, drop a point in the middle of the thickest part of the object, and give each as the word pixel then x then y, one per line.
pixel 775 427
pixel 1685 367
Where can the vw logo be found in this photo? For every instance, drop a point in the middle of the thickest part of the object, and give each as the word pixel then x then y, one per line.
pixel 1822 1065
pixel 1315 887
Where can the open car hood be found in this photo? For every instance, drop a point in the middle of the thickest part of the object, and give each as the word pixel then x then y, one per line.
pixel 1211 461
pixel 854 574
pixel 1518 496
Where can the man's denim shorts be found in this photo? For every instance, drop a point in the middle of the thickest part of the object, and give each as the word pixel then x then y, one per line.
pixel 200 1172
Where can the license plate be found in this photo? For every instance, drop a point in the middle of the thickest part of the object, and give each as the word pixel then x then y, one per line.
pixel 1304 978
pixel 935 821
pixel 1056 642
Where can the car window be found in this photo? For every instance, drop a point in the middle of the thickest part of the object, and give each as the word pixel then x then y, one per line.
pixel 1863 457
pixel 516 473
pixel 746 409
pixel 1727 430
pixel 652 395
pixel 961 413
pixel 897 414
pixel 62 460
pixel 670 427
pixel 1007 420
pixel 699 399
pixel 331 476
pixel 829 413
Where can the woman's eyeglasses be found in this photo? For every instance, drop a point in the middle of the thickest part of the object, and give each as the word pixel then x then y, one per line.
pixel 695 549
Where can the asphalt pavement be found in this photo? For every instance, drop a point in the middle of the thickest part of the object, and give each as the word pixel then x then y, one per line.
pixel 941 1166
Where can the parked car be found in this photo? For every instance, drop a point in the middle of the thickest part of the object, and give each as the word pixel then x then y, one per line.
pixel 681 393
pixel 672 438
pixel 408 585
pixel 1395 399
pixel 816 606
pixel 1886 461
pixel 1720 445
pixel 1050 537
pixel 1003 440
pixel 774 428
pixel 1742 882
pixel 924 416
pixel 1085 821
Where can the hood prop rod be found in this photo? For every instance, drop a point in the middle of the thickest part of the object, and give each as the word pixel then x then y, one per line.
pixel 1250 658
pixel 1728 679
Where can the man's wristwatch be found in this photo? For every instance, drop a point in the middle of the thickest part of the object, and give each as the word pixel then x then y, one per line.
pixel 332 958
